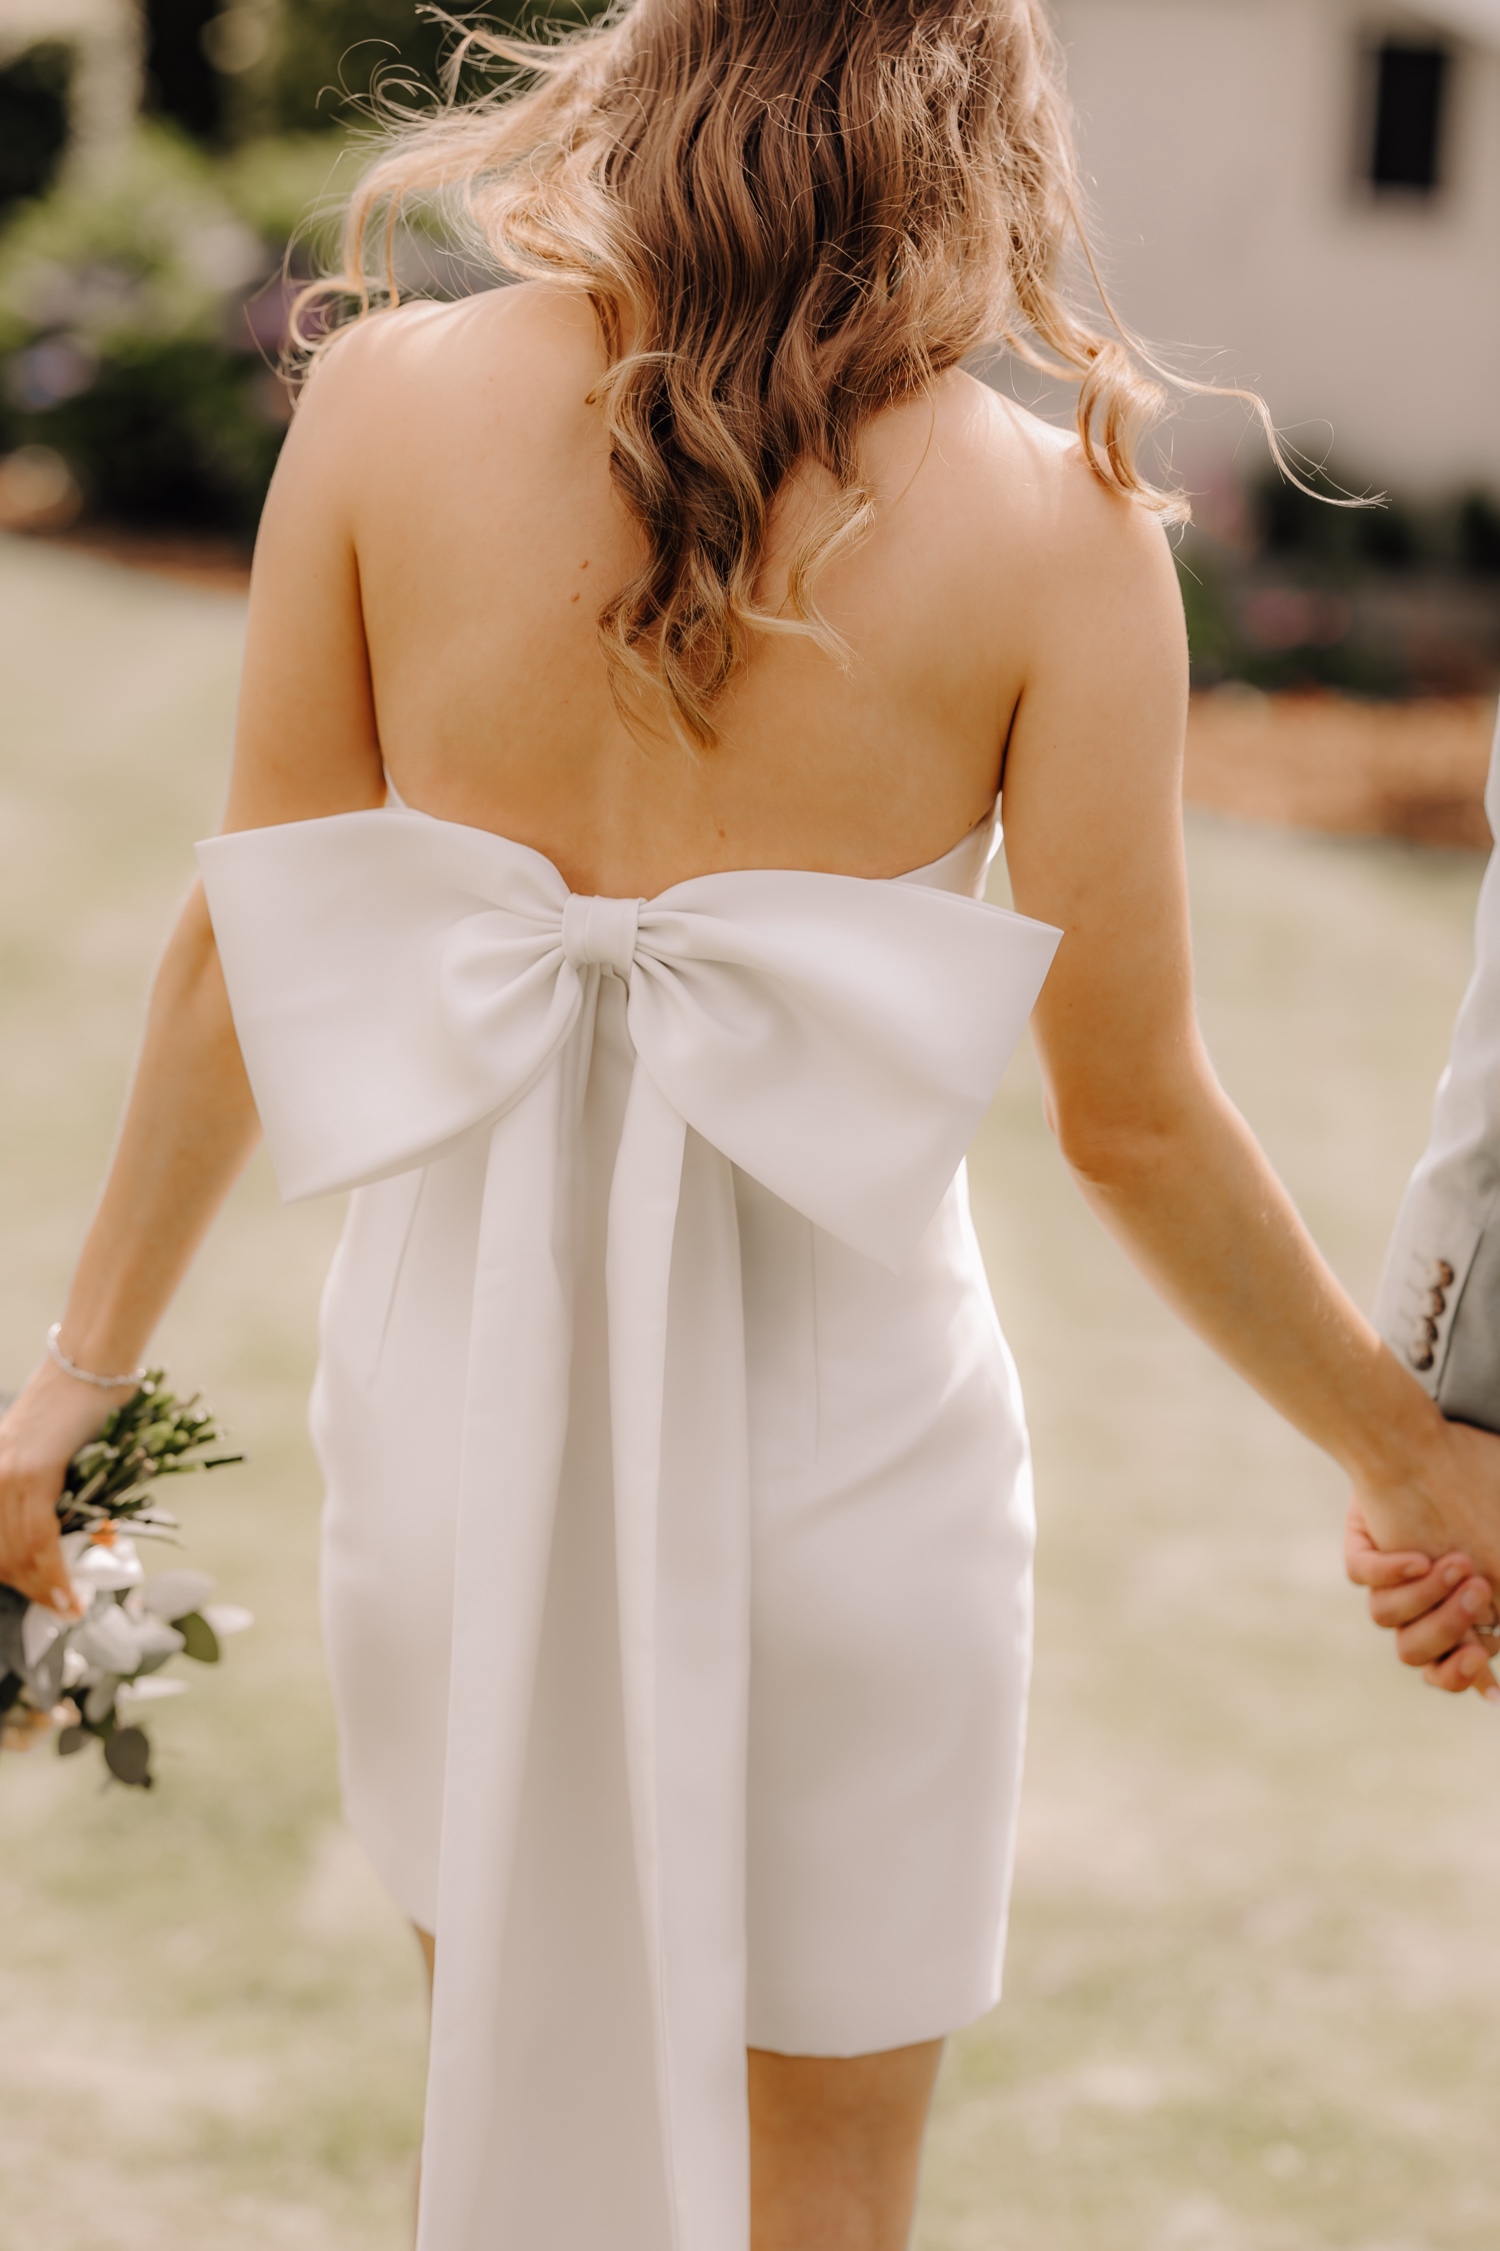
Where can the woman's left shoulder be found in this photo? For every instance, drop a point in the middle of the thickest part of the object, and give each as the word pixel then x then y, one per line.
pixel 398 383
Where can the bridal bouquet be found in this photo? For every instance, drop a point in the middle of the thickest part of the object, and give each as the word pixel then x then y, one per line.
pixel 85 1677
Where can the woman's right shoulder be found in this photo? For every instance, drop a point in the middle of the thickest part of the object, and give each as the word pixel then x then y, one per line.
pixel 1031 527
pixel 1030 479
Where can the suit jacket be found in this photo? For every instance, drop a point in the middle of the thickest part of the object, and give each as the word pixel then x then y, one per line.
pixel 1438 1306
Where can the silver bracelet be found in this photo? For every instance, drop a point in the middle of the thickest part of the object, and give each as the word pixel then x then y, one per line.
pixel 137 1376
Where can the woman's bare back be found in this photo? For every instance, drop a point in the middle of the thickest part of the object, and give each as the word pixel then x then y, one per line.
pixel 454 455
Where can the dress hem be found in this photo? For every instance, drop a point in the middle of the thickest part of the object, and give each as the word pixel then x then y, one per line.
pixel 868 2024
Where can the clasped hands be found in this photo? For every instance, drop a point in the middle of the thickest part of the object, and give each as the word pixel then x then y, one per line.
pixel 1440 1599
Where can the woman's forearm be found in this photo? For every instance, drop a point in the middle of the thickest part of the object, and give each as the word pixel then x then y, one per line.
pixel 1197 1207
pixel 189 1129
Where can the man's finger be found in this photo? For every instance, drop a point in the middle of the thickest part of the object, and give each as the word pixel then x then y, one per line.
pixel 1463 1669
pixel 1367 1566
pixel 1398 1605
pixel 1430 1638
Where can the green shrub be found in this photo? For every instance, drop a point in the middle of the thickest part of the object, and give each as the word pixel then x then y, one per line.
pixel 1479 535
pixel 326 56
pixel 33 119
pixel 326 51
pixel 140 317
pixel 142 312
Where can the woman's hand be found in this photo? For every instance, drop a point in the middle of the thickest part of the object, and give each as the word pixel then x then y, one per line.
pixel 1437 1610
pixel 39 1435
pixel 189 1128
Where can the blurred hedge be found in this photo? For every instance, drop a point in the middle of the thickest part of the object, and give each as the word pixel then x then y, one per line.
pixel 142 309
pixel 325 55
pixel 1398 599
pixel 34 92
pixel 140 318
pixel 301 66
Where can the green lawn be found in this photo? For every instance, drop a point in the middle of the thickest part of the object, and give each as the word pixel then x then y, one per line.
pixel 1254 1980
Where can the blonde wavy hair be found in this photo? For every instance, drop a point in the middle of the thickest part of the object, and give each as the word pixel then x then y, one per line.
pixel 787 215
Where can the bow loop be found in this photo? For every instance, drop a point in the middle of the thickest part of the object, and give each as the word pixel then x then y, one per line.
pixel 600 933
pixel 396 982
pixel 837 1039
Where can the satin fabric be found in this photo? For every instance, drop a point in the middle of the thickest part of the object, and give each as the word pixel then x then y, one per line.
pixel 427 1005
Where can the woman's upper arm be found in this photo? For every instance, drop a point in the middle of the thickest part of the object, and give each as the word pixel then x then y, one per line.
pixel 1093 820
pixel 306 742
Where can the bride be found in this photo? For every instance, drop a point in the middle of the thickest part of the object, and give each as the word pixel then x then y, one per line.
pixel 638 659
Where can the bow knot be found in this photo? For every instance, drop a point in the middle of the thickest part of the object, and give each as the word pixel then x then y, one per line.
pixel 600 933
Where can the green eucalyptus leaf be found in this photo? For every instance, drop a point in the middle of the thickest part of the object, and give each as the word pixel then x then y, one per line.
pixel 198 1638
pixel 127 1754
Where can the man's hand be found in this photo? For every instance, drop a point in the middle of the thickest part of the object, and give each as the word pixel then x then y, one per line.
pixel 1440 1611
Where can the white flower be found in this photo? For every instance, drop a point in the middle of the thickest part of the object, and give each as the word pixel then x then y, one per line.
pixel 157 1641
pixel 39 1630
pixel 107 1640
pixel 172 1594
pixel 107 1566
pixel 227 1618
pixel 150 1691
pixel 44 1654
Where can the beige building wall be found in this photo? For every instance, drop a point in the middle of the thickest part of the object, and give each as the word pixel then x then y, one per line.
pixel 107 81
pixel 1222 140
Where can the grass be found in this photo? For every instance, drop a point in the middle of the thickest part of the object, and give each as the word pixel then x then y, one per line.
pixel 1253 1968
pixel 1254 1978
pixel 210 2019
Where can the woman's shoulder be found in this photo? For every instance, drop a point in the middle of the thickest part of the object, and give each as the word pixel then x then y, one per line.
pixel 1017 465
pixel 526 339
pixel 1014 506
pixel 521 310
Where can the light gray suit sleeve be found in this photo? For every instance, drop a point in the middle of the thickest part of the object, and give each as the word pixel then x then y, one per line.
pixel 1438 1306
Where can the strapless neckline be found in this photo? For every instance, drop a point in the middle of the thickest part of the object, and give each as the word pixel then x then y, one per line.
pixel 962 868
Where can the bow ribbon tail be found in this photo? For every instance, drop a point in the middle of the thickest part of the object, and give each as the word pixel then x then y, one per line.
pixel 515 1430
pixel 682 1494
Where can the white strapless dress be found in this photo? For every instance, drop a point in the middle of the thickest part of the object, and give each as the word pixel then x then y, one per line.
pixel 678 1540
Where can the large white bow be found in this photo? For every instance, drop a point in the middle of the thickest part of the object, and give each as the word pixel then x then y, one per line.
pixel 398 982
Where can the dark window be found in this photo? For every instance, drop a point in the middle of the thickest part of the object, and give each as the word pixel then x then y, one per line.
pixel 181 82
pixel 1411 86
pixel 33 119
